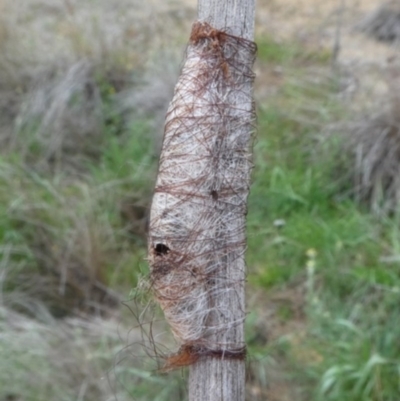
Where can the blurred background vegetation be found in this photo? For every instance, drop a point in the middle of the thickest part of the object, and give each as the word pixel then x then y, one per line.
pixel 84 86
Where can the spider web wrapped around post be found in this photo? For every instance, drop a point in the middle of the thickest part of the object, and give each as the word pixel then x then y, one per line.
pixel 197 222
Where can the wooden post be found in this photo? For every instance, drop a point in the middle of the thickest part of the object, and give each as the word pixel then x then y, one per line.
pixel 236 15
pixel 213 379
pixel 197 221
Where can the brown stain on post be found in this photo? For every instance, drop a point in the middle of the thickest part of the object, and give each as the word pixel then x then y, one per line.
pixel 204 31
pixel 188 354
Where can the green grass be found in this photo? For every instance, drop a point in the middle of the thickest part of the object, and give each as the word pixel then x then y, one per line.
pixel 77 226
pixel 278 52
pixel 347 257
pixel 357 339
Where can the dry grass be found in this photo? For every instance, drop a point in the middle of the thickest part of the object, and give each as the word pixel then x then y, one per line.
pixel 81 358
pixel 76 162
pixel 373 143
pixel 76 79
pixel 64 247
pixel 66 75
pixel 383 23
pixel 60 121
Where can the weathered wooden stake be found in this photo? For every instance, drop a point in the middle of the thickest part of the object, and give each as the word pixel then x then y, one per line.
pixel 221 379
pixel 197 222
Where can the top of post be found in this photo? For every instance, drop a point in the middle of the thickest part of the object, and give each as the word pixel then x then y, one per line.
pixel 235 15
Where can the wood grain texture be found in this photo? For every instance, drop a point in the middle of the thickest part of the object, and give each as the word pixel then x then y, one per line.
pixel 236 15
pixel 213 379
